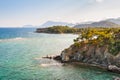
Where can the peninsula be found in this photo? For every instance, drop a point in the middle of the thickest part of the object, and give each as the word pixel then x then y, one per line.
pixel 96 47
pixel 58 30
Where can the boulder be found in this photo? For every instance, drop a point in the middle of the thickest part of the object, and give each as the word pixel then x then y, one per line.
pixel 113 68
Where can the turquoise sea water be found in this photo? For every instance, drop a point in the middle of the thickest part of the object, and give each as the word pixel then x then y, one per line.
pixel 20 57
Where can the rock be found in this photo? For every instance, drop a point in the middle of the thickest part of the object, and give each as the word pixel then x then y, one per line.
pixel 48 57
pixel 116 78
pixel 64 56
pixel 58 58
pixel 117 59
pixel 93 55
pixel 113 68
pixel 54 57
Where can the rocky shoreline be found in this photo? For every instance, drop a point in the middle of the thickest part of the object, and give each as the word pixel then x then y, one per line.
pixel 92 55
pixel 111 68
pixel 94 47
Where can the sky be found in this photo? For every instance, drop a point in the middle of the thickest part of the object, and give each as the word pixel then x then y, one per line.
pixel 16 13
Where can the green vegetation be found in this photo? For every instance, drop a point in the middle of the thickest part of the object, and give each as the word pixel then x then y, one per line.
pixel 59 29
pixel 101 37
pixel 95 36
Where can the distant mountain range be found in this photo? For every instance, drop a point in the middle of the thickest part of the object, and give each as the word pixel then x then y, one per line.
pixel 112 22
pixel 28 26
pixel 103 23
pixel 97 24
pixel 117 21
pixel 53 23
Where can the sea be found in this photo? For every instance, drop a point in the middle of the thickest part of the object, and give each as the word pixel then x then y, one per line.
pixel 21 52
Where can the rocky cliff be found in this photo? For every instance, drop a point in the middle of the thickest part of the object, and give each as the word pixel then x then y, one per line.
pixel 92 54
pixel 100 47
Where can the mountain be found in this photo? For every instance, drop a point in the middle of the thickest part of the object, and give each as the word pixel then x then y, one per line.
pixel 117 20
pixel 88 22
pixel 98 24
pixel 28 26
pixel 53 23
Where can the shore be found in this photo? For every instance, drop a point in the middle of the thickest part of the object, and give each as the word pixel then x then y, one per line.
pixel 111 68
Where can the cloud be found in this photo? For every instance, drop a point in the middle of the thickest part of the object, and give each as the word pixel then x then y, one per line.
pixel 99 1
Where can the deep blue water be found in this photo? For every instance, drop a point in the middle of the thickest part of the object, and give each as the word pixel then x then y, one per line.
pixel 6 33
pixel 20 57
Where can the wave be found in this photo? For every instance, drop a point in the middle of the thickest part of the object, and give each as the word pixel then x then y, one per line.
pixel 13 39
pixel 47 62
pixel 51 64
pixel 18 38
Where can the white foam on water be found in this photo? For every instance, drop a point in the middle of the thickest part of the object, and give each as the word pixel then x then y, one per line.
pixel 51 64
pixel 46 62
pixel 13 39
pixel 18 38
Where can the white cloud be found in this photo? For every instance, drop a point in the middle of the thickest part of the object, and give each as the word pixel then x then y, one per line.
pixel 99 1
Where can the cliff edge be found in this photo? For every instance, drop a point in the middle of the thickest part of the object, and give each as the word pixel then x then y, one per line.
pixel 100 47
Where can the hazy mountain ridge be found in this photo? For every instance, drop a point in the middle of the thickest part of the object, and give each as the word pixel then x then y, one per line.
pixel 53 23
pixel 28 26
pixel 117 20
pixel 111 22
pixel 104 23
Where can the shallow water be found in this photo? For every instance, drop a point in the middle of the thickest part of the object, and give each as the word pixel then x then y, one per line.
pixel 20 57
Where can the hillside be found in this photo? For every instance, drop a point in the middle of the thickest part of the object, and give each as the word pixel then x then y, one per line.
pixel 95 46
pixel 97 24
pixel 116 21
pixel 58 29
pixel 53 23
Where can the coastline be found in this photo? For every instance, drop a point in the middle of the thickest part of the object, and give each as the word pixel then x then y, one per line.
pixel 105 68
